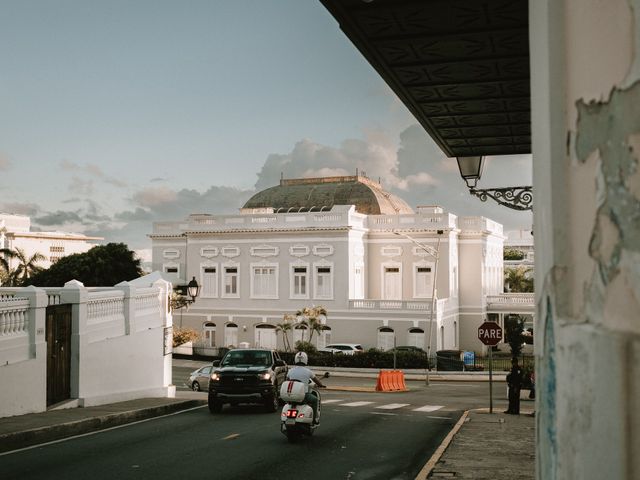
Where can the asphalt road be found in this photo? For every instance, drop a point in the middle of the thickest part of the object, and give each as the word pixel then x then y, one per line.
pixel 362 436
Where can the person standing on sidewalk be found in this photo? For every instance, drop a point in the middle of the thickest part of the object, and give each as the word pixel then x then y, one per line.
pixel 514 380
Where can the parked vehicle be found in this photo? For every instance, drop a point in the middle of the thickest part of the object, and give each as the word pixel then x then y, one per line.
pixel 296 418
pixel 344 348
pixel 199 379
pixel 247 376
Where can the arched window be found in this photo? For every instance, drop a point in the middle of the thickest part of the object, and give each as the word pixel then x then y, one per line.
pixel 209 334
pixel 416 337
pixel 231 335
pixel 265 336
pixel 386 337
pixel 324 337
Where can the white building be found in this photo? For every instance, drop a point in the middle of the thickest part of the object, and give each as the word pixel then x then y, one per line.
pixel 15 232
pixel 343 243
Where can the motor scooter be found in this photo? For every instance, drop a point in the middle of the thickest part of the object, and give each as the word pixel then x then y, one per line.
pixel 296 418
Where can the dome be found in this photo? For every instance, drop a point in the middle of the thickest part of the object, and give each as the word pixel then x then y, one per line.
pixel 315 194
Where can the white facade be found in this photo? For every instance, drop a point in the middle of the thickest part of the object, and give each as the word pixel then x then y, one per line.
pixel 376 285
pixel 15 233
pixel 116 340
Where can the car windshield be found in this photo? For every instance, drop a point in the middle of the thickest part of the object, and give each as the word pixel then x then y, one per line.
pixel 246 357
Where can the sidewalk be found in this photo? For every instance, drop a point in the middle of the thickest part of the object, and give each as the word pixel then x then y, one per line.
pixel 486 446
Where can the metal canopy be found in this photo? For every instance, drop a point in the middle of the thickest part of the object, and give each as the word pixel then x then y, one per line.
pixel 460 66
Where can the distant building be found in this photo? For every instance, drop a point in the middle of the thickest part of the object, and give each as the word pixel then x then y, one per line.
pixel 346 244
pixel 521 240
pixel 15 232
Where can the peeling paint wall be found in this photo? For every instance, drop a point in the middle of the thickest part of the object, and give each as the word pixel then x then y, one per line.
pixel 586 150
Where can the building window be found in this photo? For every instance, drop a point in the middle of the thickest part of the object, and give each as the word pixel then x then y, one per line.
pixel 299 282
pixel 209 334
pixel 56 249
pixel 392 283
pixel 416 337
pixel 230 282
pixel 423 281
pixel 231 335
pixel 209 277
pixel 386 338
pixel 324 282
pixel 264 281
pixel 266 336
pixel 171 268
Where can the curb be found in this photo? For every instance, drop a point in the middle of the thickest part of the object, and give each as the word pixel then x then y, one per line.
pixel 27 438
pixel 426 470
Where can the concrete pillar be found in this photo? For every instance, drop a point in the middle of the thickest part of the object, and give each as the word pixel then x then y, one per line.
pixel 585 88
pixel 75 294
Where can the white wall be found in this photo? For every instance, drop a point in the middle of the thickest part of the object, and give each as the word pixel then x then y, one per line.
pixel 117 344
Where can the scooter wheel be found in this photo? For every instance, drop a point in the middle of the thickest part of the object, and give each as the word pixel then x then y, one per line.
pixel 293 435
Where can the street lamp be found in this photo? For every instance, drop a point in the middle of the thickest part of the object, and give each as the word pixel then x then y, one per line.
pixel 186 294
pixel 435 253
pixel 516 198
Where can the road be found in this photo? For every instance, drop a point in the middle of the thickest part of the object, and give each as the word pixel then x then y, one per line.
pixel 362 436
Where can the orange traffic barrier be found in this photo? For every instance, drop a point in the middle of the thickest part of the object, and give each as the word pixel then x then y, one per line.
pixel 390 381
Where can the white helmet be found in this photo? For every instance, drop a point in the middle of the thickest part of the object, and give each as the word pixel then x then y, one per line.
pixel 301 357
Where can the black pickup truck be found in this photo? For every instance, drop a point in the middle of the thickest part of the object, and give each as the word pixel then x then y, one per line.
pixel 247 375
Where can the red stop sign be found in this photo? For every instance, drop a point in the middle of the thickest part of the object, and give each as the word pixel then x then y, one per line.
pixel 490 333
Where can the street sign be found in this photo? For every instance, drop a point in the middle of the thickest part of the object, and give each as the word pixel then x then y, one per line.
pixel 490 333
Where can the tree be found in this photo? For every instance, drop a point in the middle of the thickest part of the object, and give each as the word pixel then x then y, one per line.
pixel 285 327
pixel 27 266
pixel 518 279
pixel 311 319
pixel 102 266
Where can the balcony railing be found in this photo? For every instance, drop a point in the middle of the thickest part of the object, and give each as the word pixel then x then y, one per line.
pixel 506 301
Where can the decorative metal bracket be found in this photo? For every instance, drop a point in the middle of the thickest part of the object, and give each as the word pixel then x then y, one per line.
pixel 516 198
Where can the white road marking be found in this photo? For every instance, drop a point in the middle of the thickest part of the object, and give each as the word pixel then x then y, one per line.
pixel 428 408
pixel 393 406
pixel 355 404
pixel 333 400
pixel 384 413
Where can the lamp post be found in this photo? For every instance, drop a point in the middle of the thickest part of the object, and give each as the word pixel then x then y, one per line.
pixel 435 253
pixel 186 296
pixel 516 198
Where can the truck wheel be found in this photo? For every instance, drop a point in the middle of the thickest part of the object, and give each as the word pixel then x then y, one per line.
pixel 272 403
pixel 215 406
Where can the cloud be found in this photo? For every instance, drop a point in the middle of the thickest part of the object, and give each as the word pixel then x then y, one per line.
pixel 29 209
pixel 93 171
pixel 81 187
pixel 414 168
pixel 154 196
pixel 58 218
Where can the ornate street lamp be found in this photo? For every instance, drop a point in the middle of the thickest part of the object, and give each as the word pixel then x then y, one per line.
pixel 186 294
pixel 516 198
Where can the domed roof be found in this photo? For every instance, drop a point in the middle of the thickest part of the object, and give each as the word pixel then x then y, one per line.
pixel 305 194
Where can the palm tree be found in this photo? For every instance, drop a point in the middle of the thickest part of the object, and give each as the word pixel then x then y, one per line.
pixel 26 266
pixel 311 319
pixel 518 279
pixel 285 327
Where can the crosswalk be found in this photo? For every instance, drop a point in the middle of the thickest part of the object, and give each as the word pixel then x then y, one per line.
pixel 337 402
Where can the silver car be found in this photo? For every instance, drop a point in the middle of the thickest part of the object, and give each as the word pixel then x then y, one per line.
pixel 199 379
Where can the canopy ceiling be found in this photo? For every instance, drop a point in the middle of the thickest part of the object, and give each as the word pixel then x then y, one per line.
pixel 460 66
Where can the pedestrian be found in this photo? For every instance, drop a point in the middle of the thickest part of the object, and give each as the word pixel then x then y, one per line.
pixel 514 380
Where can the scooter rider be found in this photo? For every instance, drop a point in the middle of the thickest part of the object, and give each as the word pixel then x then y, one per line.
pixel 302 374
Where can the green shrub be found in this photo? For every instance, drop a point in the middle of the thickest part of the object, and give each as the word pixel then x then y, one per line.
pixel 513 254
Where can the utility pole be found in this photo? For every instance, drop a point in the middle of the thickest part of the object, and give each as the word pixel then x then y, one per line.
pixel 435 254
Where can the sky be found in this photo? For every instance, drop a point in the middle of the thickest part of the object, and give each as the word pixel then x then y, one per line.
pixel 116 114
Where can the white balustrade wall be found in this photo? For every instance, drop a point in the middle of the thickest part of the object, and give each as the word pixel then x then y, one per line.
pixel 117 344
